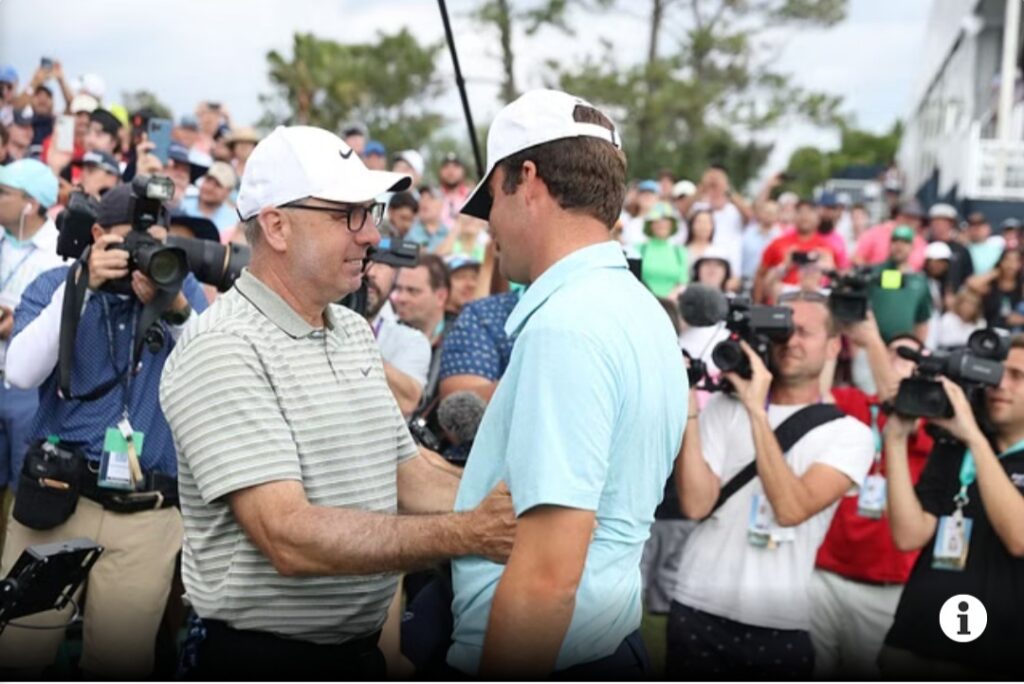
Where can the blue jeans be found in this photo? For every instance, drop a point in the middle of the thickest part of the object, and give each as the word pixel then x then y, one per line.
pixel 17 411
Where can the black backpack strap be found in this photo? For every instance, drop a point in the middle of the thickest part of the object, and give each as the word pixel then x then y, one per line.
pixel 788 433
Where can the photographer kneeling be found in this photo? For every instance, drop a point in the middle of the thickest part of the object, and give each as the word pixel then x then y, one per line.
pixel 134 518
pixel 967 516
pixel 764 472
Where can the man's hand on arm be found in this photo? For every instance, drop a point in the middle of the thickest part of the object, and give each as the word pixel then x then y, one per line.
pixel 301 539
pixel 536 596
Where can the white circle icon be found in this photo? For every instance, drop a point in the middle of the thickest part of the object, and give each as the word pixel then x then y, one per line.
pixel 963 618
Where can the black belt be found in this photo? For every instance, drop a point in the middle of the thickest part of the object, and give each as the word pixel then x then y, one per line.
pixel 159 491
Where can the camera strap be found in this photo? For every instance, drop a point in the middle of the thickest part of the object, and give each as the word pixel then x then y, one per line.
pixel 788 433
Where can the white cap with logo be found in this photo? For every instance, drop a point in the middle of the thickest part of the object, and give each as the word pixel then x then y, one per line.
pixel 537 117
pixel 295 162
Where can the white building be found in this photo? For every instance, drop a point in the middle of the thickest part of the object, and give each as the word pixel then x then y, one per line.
pixel 964 138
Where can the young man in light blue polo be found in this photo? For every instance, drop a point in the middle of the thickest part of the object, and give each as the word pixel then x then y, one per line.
pixel 588 418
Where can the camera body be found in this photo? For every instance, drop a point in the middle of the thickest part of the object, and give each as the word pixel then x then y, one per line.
pixel 759 326
pixel 974 367
pixel 848 299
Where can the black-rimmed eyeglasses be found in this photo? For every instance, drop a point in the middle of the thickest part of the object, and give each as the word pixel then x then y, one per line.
pixel 355 215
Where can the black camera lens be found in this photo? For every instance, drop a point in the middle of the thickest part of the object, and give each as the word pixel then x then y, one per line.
pixel 729 357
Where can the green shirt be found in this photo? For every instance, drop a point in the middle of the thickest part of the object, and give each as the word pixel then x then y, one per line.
pixel 898 311
pixel 663 267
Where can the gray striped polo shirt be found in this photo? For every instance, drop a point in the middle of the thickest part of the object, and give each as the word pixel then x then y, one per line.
pixel 254 394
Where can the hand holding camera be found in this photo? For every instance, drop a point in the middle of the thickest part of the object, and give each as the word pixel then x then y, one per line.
pixel 962 425
pixel 106 264
pixel 753 391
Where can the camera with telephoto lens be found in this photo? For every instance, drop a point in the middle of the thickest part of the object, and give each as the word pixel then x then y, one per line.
pixel 759 326
pixel 974 367
pixel 848 298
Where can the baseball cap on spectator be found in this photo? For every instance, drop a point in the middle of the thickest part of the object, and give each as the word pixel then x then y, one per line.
pixel 223 131
pixel 179 154
pixel 120 113
pixel 23 117
pixel 375 148
pixel 189 122
pixel 117 207
pixel 107 121
pixel 904 233
pixel 536 117
pixel 942 211
pixel 844 199
pixel 92 84
pixel 457 262
pixel 712 253
pixel 828 200
pixel 413 159
pixel 451 158
pixel 101 160
pixel 8 74
pixel 893 185
pixel 683 188
pixel 789 198
pixel 976 218
pixel 648 186
pixel 243 134
pixel 33 178
pixel 223 174
pixel 912 208
pixel 201 228
pixel 295 162
pixel 84 103
pixel 938 250
pixel 1010 224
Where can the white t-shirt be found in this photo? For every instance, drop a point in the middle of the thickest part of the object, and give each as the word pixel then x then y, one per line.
pixel 953 331
pixel 405 348
pixel 729 235
pixel 720 571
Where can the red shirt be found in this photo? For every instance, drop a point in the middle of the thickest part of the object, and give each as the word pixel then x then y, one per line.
pixel 861 548
pixel 779 248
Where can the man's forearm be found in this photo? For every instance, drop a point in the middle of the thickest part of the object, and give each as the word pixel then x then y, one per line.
pixel 406 390
pixel 881 369
pixel 319 540
pixel 785 492
pixel 697 485
pixel 911 525
pixel 1003 502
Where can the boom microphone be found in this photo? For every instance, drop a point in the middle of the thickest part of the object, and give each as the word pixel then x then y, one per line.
pixel 701 306
pixel 459 415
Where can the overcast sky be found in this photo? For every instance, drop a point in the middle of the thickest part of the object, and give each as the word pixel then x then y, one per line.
pixel 189 50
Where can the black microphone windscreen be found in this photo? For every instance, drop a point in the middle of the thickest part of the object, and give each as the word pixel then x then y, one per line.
pixel 460 414
pixel 701 306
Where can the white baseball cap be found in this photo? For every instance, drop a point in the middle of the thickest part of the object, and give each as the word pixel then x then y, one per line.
pixel 537 117
pixel 683 188
pixel 938 250
pixel 413 159
pixel 942 211
pixel 295 162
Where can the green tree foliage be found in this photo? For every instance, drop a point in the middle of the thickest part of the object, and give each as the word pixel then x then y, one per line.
pixel 139 99
pixel 809 167
pixel 389 85
pixel 707 82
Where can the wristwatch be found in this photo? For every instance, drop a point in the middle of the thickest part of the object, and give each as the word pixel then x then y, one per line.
pixel 179 317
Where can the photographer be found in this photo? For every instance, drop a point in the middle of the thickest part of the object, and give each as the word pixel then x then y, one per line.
pixel 141 531
pixel 859 573
pixel 972 479
pixel 294 456
pixel 740 607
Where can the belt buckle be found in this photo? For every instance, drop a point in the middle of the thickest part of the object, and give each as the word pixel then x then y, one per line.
pixel 157 496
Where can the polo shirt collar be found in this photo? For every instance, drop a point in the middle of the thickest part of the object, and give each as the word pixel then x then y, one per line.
pixel 271 305
pixel 602 255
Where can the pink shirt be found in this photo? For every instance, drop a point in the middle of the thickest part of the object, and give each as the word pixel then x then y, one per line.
pixel 873 247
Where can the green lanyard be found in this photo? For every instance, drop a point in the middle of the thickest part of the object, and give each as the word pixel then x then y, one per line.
pixel 875 431
pixel 968 472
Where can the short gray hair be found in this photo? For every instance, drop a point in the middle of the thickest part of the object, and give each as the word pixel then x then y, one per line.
pixel 251 229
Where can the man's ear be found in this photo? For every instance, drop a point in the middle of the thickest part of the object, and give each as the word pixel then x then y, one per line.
pixel 275 228
pixel 835 345
pixel 97 232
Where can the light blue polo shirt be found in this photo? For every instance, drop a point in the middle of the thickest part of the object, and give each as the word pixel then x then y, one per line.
pixel 589 415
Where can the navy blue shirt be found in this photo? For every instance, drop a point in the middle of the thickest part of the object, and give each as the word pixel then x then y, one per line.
pixel 477 344
pixel 86 422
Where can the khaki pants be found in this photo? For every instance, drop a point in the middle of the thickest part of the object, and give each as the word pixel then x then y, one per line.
pixel 127 591
pixel 849 621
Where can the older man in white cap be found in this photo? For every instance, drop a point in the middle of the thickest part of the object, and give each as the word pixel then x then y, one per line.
pixel 292 452
pixel 587 420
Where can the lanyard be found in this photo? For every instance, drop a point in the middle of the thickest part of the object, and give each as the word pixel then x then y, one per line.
pixel 127 373
pixel 876 433
pixel 968 472
pixel 17 266
pixel 377 326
